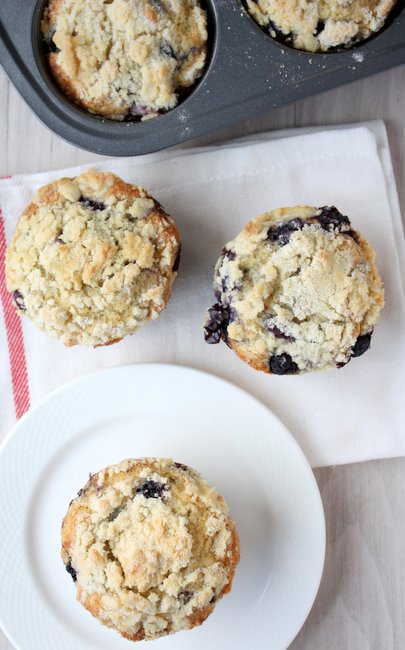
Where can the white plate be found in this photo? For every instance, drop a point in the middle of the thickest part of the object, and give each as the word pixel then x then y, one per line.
pixel 197 419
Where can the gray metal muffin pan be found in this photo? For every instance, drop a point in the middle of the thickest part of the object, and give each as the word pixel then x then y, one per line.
pixel 248 74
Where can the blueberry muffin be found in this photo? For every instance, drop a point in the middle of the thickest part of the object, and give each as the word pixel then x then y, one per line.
pixel 125 59
pixel 297 290
pixel 150 546
pixel 92 259
pixel 320 25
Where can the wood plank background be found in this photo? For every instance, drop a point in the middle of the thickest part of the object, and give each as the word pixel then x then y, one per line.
pixel 361 602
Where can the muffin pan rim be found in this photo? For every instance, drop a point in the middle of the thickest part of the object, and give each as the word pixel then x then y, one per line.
pixel 248 74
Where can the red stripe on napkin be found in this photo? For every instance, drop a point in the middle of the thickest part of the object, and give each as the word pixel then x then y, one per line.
pixel 15 340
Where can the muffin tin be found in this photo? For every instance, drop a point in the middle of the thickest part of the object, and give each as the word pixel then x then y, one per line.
pixel 248 73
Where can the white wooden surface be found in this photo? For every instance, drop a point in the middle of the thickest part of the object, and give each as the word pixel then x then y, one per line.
pixel 361 602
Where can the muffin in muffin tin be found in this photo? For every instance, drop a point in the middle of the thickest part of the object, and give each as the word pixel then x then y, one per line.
pixel 297 290
pixel 150 546
pixel 320 25
pixel 126 59
pixel 92 259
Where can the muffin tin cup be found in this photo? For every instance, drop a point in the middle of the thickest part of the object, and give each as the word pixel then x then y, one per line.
pixel 248 73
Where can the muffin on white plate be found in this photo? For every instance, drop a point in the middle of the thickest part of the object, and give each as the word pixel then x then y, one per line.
pixel 150 546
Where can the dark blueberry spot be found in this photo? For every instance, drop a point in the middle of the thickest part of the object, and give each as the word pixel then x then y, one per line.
pixel 71 570
pixel 342 364
pixel 152 489
pixel 177 261
pixel 219 318
pixel 319 28
pixel 138 110
pixel 227 285
pixel 270 326
pixel 49 45
pixel 166 49
pixel 158 6
pixel 331 219
pixel 282 364
pixel 81 492
pixel 282 232
pixel 18 300
pixel 232 315
pixel 226 252
pixel 185 468
pixel 91 204
pixel 362 345
pixel 213 600
pixel 278 33
pixel 185 597
pixel 130 217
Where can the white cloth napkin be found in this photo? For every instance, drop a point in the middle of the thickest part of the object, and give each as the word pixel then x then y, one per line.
pixel 340 416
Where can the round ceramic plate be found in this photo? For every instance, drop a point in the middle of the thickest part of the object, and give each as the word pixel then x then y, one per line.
pixel 195 418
